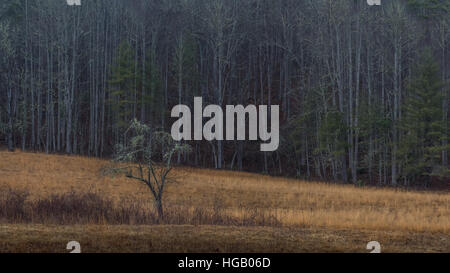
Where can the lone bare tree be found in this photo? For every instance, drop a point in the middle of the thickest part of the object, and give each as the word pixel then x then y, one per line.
pixel 148 157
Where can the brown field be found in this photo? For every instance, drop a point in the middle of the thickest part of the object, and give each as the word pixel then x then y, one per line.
pixel 209 211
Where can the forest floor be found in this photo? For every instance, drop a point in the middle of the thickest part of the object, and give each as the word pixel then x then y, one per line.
pixel 49 200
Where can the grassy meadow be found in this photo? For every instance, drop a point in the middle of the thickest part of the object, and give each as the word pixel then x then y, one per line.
pixel 48 200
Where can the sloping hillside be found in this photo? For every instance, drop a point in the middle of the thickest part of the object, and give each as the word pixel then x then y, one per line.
pixel 66 197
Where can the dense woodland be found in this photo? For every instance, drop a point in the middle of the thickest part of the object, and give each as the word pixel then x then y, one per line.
pixel 363 90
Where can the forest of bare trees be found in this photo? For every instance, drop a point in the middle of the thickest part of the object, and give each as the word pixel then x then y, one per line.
pixel 363 90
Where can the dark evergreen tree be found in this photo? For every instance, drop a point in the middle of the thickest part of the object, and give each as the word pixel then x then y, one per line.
pixel 122 82
pixel 422 123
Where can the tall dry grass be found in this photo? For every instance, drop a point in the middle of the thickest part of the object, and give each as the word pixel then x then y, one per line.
pixel 235 197
pixel 91 209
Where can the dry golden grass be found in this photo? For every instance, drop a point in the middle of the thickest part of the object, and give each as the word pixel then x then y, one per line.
pixel 294 203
